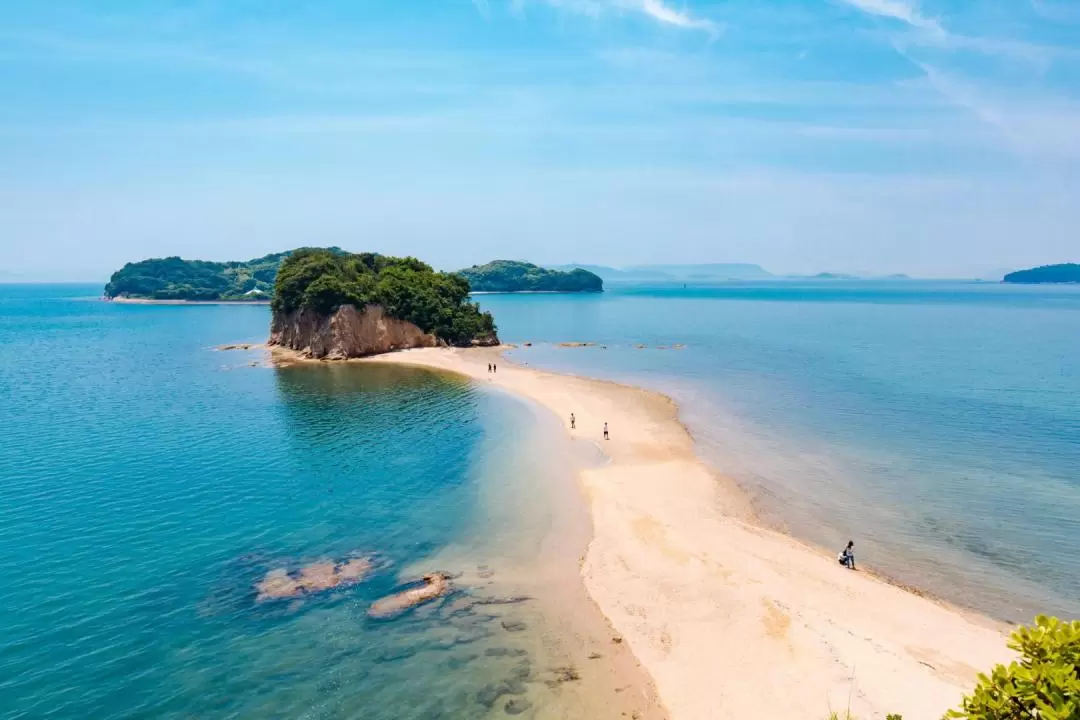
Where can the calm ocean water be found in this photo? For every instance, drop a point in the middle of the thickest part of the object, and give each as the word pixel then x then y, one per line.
pixel 936 424
pixel 147 482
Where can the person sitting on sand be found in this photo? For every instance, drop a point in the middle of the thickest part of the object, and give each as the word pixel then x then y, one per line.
pixel 847 556
pixel 606 436
pixel 573 421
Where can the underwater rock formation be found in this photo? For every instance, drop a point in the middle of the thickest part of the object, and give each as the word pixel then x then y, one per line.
pixel 433 585
pixel 280 584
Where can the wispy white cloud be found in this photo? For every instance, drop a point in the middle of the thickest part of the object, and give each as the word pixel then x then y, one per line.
pixel 1032 128
pixel 931 33
pixel 482 7
pixel 1056 10
pixel 901 10
pixel 658 10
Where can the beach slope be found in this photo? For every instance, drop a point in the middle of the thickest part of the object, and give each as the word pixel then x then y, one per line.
pixel 733 620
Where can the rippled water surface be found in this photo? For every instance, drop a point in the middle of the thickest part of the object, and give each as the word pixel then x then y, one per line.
pixel 148 481
pixel 937 424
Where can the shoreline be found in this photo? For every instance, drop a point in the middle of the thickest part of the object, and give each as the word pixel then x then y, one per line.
pixel 730 618
pixel 149 301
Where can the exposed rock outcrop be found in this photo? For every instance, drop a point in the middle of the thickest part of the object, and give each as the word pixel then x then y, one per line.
pixel 347 333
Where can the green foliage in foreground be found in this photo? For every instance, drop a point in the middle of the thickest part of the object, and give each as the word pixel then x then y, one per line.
pixel 172 278
pixel 436 302
pixel 1043 685
pixel 513 276
pixel 1065 273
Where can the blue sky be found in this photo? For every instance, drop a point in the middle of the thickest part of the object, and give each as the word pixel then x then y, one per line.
pixel 938 139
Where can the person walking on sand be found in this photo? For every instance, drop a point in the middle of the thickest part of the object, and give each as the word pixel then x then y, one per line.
pixel 489 367
pixel 847 556
pixel 606 436
pixel 573 421
pixel 494 368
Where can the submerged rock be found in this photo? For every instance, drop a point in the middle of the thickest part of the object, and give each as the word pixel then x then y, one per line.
pixel 505 652
pixel 490 693
pixel 355 569
pixel 433 585
pixel 318 577
pixel 516 706
pixel 277 585
pixel 502 600
pixel 562 675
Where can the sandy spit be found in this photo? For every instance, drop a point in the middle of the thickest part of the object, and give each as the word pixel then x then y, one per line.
pixel 733 620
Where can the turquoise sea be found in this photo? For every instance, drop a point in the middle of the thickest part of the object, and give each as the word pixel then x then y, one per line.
pixel 147 481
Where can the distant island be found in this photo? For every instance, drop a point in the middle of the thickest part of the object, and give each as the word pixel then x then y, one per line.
pixel 707 272
pixel 833 276
pixel 514 276
pixel 1064 273
pixel 173 278
pixel 176 279
pixel 330 304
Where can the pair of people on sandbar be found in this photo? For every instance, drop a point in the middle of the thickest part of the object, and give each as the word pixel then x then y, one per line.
pixel 492 367
pixel 573 426
pixel 847 556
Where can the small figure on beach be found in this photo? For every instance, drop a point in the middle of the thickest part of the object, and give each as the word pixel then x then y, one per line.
pixel 489 367
pixel 573 421
pixel 606 435
pixel 847 556
pixel 494 368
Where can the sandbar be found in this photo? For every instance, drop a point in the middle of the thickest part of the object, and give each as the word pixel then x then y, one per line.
pixel 730 618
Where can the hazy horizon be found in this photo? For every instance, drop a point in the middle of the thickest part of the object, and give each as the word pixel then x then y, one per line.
pixel 934 139
pixel 15 278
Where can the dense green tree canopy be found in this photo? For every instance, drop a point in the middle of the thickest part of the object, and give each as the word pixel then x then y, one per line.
pixel 513 276
pixel 1065 273
pixel 408 289
pixel 175 279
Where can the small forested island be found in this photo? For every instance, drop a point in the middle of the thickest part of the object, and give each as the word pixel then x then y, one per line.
pixel 173 278
pixel 1064 273
pixel 330 304
pixel 513 276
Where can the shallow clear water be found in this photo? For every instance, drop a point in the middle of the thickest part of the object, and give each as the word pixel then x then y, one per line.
pixel 936 424
pixel 147 481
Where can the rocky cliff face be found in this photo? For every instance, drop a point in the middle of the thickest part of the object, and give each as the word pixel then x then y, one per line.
pixel 348 333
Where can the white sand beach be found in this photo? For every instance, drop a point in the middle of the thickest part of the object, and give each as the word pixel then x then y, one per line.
pixel 733 620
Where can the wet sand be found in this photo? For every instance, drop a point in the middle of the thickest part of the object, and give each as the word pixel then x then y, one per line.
pixel 527 543
pixel 731 619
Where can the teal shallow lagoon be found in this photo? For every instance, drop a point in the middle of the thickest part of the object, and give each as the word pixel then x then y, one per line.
pixel 147 482
pixel 937 424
